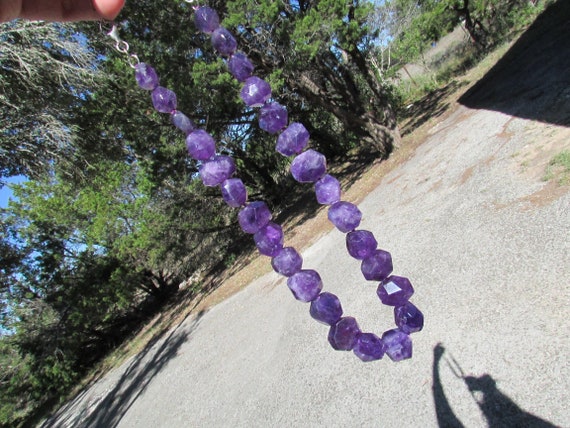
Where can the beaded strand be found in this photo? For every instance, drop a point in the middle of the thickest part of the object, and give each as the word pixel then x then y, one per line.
pixel 308 166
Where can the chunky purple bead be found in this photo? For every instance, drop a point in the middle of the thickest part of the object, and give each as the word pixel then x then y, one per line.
pixel 182 122
pixel 343 334
pixel 254 216
pixel 327 190
pixel 287 262
pixel 398 345
pixel 273 118
pixel 224 41
pixel 326 308
pixel 200 145
pixel 234 192
pixel 345 216
pixel 269 239
pixel 146 76
pixel 305 285
pixel 163 100
pixel 309 166
pixel 292 140
pixel 206 19
pixel 240 66
pixel 395 290
pixel 408 318
pixel 377 266
pixel 213 172
pixel 369 347
pixel 255 92
pixel 360 244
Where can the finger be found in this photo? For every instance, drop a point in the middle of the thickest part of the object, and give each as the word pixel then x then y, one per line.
pixel 69 10
pixel 108 9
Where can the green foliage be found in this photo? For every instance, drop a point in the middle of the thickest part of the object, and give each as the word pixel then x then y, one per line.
pixel 16 385
pixel 410 92
pixel 416 25
pixel 44 71
pixel 78 261
pixel 559 167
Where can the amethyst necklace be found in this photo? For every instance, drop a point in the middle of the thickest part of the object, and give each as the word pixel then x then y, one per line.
pixel 307 166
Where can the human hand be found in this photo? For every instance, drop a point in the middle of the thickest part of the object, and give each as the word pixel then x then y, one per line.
pixel 60 10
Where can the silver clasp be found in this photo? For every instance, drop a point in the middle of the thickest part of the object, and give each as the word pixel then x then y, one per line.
pixel 120 44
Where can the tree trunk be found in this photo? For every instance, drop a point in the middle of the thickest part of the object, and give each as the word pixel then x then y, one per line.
pixel 160 285
pixel 474 27
pixel 377 127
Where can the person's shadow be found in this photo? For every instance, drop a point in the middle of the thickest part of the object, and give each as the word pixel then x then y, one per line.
pixel 499 410
pixel 443 410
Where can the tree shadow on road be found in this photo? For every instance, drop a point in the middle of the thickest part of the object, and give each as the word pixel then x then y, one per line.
pixel 498 409
pixel 109 409
pixel 429 107
pixel 532 80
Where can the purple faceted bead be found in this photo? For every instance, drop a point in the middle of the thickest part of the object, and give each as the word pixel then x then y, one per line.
pixel 255 92
pixel 309 166
pixel 398 345
pixel 287 262
pixel 163 100
pixel 408 318
pixel 240 66
pixel 254 216
pixel 360 244
pixel 213 172
pixel 343 334
pixel 395 290
pixel 224 41
pixel 369 347
pixel 273 118
pixel 200 145
pixel 206 19
pixel 182 122
pixel 345 216
pixel 305 285
pixel 377 266
pixel 326 308
pixel 292 140
pixel 269 239
pixel 234 192
pixel 327 190
pixel 145 76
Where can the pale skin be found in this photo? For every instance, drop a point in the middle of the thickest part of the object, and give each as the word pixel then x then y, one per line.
pixel 60 10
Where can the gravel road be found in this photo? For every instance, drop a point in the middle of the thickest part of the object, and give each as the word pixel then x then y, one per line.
pixel 486 244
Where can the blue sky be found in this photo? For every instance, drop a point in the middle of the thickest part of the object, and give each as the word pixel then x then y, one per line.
pixel 6 192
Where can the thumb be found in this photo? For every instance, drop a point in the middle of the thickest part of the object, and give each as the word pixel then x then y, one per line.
pixel 108 9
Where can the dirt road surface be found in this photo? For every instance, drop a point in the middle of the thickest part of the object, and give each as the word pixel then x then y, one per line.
pixel 486 243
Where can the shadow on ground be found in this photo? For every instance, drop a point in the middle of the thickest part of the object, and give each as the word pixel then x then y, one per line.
pixel 497 408
pixel 431 106
pixel 532 80
pixel 110 408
